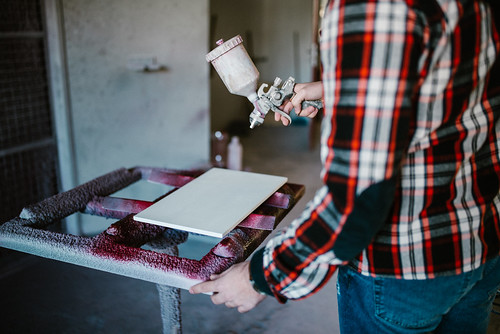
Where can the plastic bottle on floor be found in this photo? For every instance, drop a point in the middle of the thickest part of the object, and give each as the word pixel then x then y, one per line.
pixel 235 154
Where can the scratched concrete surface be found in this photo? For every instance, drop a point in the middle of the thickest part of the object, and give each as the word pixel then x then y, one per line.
pixel 44 296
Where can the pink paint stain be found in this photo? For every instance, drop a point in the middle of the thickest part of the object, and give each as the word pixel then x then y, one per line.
pixel 170 179
pixel 260 222
pixel 123 240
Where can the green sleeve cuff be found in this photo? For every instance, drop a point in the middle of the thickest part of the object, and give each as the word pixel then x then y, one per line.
pixel 257 272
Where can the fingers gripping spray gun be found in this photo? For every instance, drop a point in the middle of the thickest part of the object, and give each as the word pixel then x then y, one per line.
pixel 236 69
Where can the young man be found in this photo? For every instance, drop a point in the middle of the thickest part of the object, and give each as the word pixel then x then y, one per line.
pixel 409 212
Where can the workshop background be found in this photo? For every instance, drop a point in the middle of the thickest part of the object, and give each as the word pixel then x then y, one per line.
pixel 88 86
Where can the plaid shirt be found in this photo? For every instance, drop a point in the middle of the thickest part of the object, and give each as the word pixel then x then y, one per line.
pixel 410 148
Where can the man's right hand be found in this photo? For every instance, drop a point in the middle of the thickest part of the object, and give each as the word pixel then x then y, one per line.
pixel 303 92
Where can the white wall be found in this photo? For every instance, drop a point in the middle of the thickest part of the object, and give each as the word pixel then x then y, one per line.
pixel 124 118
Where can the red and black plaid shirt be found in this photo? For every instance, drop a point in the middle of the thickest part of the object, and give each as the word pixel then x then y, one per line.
pixel 410 147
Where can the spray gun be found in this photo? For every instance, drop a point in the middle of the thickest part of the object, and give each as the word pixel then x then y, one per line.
pixel 236 69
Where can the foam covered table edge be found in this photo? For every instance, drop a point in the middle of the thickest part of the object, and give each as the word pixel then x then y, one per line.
pixel 124 257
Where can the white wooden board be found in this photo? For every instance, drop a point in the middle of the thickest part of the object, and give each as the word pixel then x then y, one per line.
pixel 213 203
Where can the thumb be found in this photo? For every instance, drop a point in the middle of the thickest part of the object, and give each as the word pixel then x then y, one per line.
pixel 297 100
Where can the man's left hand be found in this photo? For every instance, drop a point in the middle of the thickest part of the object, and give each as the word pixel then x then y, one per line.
pixel 232 288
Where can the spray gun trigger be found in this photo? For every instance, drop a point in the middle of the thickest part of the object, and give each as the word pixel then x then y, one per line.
pixel 282 113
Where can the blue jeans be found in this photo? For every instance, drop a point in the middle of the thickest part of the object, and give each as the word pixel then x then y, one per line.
pixel 451 304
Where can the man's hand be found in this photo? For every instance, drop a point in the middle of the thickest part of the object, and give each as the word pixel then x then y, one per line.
pixel 303 91
pixel 232 288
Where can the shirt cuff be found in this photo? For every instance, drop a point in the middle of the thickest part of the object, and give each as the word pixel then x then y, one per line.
pixel 257 272
pixel 259 278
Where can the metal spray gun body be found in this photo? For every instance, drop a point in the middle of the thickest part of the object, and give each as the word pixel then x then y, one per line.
pixel 239 74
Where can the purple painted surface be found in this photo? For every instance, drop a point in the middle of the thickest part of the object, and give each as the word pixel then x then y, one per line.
pixel 260 222
pixel 114 207
pixel 171 179
pixel 279 200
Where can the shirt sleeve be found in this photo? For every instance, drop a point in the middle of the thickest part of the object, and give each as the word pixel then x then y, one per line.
pixel 371 55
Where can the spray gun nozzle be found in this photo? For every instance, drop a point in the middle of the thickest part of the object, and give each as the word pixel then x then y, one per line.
pixel 256 118
pixel 252 123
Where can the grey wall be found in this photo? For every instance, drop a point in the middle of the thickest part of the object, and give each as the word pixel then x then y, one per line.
pixel 123 118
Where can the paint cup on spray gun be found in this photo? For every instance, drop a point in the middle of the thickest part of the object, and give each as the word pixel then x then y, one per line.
pixel 235 67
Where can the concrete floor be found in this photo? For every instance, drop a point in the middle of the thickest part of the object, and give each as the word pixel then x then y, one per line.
pixel 44 296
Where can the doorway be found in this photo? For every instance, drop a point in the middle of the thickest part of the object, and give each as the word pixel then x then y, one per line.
pixel 278 36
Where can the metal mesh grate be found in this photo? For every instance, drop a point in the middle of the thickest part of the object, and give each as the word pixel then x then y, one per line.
pixel 26 177
pixel 28 153
pixel 24 100
pixel 20 15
